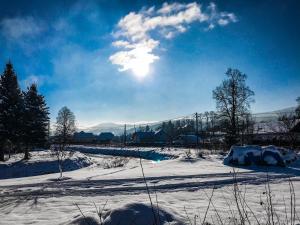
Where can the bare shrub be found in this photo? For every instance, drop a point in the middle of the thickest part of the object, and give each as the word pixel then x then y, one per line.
pixel 199 154
pixel 188 154
pixel 115 162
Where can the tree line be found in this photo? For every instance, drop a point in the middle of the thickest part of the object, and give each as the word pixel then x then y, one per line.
pixel 233 117
pixel 24 115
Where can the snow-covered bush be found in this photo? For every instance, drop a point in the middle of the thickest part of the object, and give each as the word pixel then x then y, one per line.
pixel 252 154
pixel 115 162
pixel 188 154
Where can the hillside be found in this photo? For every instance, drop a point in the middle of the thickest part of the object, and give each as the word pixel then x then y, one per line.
pixel 118 129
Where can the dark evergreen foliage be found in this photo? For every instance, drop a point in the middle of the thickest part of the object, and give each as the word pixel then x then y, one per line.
pixel 23 116
pixel 298 108
pixel 11 108
pixel 36 119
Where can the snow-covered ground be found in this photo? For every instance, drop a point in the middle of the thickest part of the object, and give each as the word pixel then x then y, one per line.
pixel 183 187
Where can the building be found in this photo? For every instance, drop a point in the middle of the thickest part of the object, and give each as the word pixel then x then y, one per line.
pixel 105 137
pixel 187 140
pixel 83 137
pixel 143 137
pixel 161 137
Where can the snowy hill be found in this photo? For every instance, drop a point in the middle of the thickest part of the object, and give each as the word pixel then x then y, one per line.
pixel 115 128
pixel 272 115
pixel 118 128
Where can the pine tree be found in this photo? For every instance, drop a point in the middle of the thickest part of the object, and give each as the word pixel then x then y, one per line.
pixel 11 108
pixel 298 108
pixel 36 119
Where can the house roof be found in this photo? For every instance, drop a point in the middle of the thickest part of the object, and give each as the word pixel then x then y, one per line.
pixel 144 134
pixel 82 134
pixel 106 135
pixel 160 132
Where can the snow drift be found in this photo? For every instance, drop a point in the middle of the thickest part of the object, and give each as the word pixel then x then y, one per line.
pixel 252 154
pixel 141 214
pixel 133 213
pixel 41 162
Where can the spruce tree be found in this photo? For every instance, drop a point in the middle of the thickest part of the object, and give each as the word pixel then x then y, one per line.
pixel 11 108
pixel 36 119
pixel 298 108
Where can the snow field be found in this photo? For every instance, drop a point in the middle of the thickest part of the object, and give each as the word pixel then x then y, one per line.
pixel 183 187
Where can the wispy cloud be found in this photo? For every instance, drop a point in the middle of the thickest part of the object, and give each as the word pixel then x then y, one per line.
pixel 20 27
pixel 138 33
pixel 33 79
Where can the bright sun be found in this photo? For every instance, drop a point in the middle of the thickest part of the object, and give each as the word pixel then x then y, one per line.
pixel 140 60
pixel 140 70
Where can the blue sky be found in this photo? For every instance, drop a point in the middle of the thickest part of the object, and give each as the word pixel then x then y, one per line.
pixel 129 61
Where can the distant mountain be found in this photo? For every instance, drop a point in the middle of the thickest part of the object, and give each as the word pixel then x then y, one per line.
pixel 115 128
pixel 118 129
pixel 273 115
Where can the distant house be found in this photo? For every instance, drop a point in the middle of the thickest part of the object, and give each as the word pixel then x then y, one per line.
pixel 161 136
pixel 186 140
pixel 143 137
pixel 105 137
pixel 83 137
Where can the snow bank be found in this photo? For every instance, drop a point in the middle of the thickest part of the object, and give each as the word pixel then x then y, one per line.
pixel 141 214
pixel 251 154
pixel 136 153
pixel 41 162
pixel 133 213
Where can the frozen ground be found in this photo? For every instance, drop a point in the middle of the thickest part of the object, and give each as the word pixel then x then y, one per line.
pixel 182 187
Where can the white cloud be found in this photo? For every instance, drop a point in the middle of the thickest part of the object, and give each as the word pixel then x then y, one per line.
pixel 20 27
pixel 134 33
pixel 168 8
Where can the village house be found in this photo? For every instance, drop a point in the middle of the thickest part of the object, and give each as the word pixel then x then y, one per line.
pixel 105 137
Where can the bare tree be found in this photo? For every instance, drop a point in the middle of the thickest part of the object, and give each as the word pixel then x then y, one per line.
pixel 246 128
pixel 213 121
pixel 233 98
pixel 286 123
pixel 64 130
pixel 207 124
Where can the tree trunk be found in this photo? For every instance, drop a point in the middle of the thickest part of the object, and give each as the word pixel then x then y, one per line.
pixel 60 168
pixel 1 153
pixel 26 156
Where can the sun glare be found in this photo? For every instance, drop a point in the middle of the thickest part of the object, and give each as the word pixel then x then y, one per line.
pixel 140 62
pixel 140 70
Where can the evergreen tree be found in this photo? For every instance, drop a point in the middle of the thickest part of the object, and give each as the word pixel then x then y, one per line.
pixel 298 107
pixel 36 119
pixel 11 108
pixel 147 129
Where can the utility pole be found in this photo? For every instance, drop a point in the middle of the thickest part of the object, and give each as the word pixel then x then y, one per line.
pixel 125 135
pixel 197 130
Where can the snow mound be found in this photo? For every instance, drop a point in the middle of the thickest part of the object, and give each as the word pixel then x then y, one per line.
pixel 252 154
pixel 141 214
pixel 41 162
